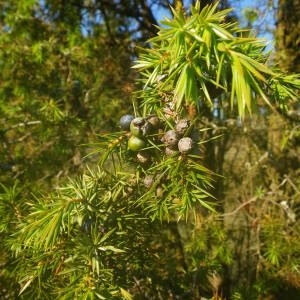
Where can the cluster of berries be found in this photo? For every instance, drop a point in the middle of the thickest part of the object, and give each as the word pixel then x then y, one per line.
pixel 175 141
pixel 139 128
pixel 178 139
pixel 181 140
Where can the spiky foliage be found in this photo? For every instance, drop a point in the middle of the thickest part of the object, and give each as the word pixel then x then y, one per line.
pixel 79 236
pixel 107 235
pixel 196 59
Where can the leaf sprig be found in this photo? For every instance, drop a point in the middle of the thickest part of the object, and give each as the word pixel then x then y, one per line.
pixel 201 57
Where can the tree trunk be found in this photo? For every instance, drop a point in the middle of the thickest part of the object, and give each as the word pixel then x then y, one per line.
pixel 287 35
pixel 288 57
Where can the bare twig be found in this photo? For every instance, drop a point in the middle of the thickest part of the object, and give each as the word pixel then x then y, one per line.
pixel 22 124
pixel 240 207
pixel 292 184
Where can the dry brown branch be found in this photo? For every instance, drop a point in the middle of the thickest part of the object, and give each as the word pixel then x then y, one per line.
pixel 240 207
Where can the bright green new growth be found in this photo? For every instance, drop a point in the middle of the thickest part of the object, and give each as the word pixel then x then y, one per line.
pixel 201 57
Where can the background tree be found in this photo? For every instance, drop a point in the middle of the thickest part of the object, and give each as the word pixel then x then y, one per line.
pixel 268 161
pixel 288 26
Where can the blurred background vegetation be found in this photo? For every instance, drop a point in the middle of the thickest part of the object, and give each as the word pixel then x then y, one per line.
pixel 66 76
